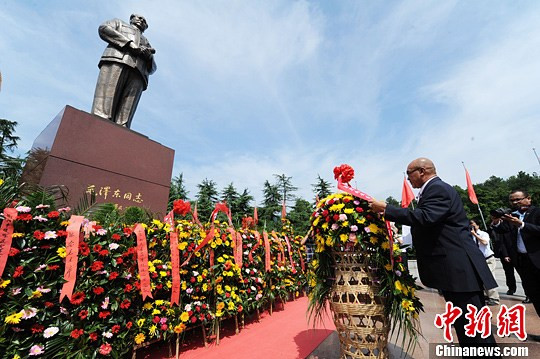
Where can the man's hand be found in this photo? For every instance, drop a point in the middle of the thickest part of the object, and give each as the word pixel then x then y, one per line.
pixel 377 206
pixel 507 259
pixel 512 220
pixel 134 48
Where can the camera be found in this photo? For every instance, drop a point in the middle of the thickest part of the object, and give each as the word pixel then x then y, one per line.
pixel 499 212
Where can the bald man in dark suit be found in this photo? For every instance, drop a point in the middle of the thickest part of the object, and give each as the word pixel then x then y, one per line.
pixel 447 258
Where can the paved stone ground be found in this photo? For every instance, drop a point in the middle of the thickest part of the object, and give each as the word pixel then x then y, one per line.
pixel 434 304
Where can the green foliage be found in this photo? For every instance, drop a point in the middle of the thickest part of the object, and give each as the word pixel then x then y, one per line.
pixel 285 187
pixel 270 212
pixel 9 190
pixel 107 215
pixel 321 188
pixel 299 216
pixel 392 201
pixel 206 198
pixel 134 215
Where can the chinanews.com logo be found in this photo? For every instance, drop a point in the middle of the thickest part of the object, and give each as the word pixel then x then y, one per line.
pixel 510 321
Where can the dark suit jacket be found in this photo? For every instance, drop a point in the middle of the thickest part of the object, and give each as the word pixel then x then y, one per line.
pixel 447 257
pixel 530 234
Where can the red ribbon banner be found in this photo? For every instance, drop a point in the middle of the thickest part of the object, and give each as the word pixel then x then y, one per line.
pixel 278 240
pixel 175 259
pixel 142 261
pixel 350 190
pixel 267 265
pixel 239 249
pixel 74 236
pixel 250 255
pixel 290 254
pixel 6 236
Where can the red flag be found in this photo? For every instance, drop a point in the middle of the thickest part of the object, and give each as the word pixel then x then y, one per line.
pixel 283 210
pixel 255 216
pixel 470 188
pixel 407 194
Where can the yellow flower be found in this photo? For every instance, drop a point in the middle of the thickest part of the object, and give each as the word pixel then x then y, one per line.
pixel 156 312
pixel 16 356
pixel 315 263
pixel 329 241
pixel 61 252
pixel 373 240
pixel 227 288
pixel 344 237
pixel 147 306
pixel 316 221
pixel 4 283
pixel 139 338
pixel 184 317
pixel 199 278
pixel 397 285
pixel 1 181
pixel 220 306
pixel 17 235
pixel 385 245
pixel 14 318
pixel 325 225
pixel 348 210
pixel 205 287
pixel 140 322
pixel 388 267
pixel 182 246
pixel 169 284
pixel 64 223
pixel 36 294
pixel 184 285
pixel 158 223
pixel 231 306
pixel 152 330
pixel 345 223
pixel 407 305
pixel 374 228
pixel 219 313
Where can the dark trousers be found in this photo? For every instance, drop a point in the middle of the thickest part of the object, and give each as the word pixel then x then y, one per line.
pixel 530 277
pixel 461 299
pixel 509 275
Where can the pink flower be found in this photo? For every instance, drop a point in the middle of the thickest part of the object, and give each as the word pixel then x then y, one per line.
pixel 50 235
pixel 36 350
pixel 41 219
pixel 23 209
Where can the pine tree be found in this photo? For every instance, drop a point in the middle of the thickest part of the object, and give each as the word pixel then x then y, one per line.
pixel 300 216
pixel 271 206
pixel 321 188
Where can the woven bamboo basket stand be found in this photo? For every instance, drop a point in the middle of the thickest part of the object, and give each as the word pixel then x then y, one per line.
pixel 357 310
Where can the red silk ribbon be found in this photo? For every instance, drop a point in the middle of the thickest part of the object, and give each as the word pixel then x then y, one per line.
pixel 142 261
pixel 267 265
pixel 293 267
pixel 6 236
pixel 74 236
pixel 175 259
pixel 350 190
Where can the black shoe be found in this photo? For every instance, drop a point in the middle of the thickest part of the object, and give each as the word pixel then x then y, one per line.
pixel 526 300
pixel 491 302
pixel 533 338
pixel 510 292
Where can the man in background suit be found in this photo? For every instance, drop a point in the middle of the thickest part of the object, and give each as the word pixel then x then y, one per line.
pixel 124 67
pixel 523 227
pixel 447 258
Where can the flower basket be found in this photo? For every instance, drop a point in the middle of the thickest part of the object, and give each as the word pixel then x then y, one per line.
pixel 358 309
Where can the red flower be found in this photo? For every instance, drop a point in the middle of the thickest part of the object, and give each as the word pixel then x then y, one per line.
pixel 336 217
pixel 128 231
pixel 83 314
pixel 93 336
pixel 97 265
pixel 13 252
pixel 39 235
pixel 228 295
pixel 53 214
pixel 98 290
pixel 97 247
pixel 104 314
pixel 164 327
pixel 18 272
pixel 115 237
pixel 325 213
pixel 156 319
pixel 359 209
pixel 193 280
pixel 345 171
pixel 129 325
pixel 115 329
pixel 49 304
pixel 240 308
pixel 105 349
pixel 128 288
pixel 125 304
pixel 77 298
pixel 84 250
pixel 193 319
pixel 27 217
pixel 61 233
pixel 119 260
pixel 113 275
pixel 75 333
pixel 53 267
pixel 37 328
pixel 180 207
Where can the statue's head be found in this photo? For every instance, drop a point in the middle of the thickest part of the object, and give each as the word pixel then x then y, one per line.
pixel 139 21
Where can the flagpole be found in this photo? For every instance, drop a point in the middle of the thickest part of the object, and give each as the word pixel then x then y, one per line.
pixel 478 203
pixel 536 154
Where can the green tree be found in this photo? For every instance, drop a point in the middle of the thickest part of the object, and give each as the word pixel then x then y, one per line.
pixel 9 166
pixel 271 206
pixel 286 188
pixel 207 198
pixel 243 205
pixel 230 195
pixel 178 190
pixel 392 201
pixel 300 216
pixel 321 188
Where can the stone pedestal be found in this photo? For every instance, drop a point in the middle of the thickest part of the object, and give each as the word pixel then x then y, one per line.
pixel 87 153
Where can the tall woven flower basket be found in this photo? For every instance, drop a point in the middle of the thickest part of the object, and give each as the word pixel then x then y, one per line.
pixel 357 309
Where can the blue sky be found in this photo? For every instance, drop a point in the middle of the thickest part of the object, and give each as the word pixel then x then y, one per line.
pixel 248 89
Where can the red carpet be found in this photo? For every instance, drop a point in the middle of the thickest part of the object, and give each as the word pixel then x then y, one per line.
pixel 284 334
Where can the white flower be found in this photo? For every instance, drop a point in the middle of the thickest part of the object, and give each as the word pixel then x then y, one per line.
pixel 189 290
pixel 63 310
pixel 258 296
pixel 43 289
pixel 255 270
pixel 187 308
pixel 40 206
pixel 40 218
pixel 113 246
pixel 16 291
pixel 51 331
pixel 342 217
pixel 253 288
pixel 107 334
pixel 195 273
pixel 28 313
pixel 41 267
pixel 247 270
pixel 23 209
pixel 101 232
pixel 50 235
pixel 335 226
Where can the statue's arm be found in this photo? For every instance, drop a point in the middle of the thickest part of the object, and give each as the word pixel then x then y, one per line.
pixel 108 31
